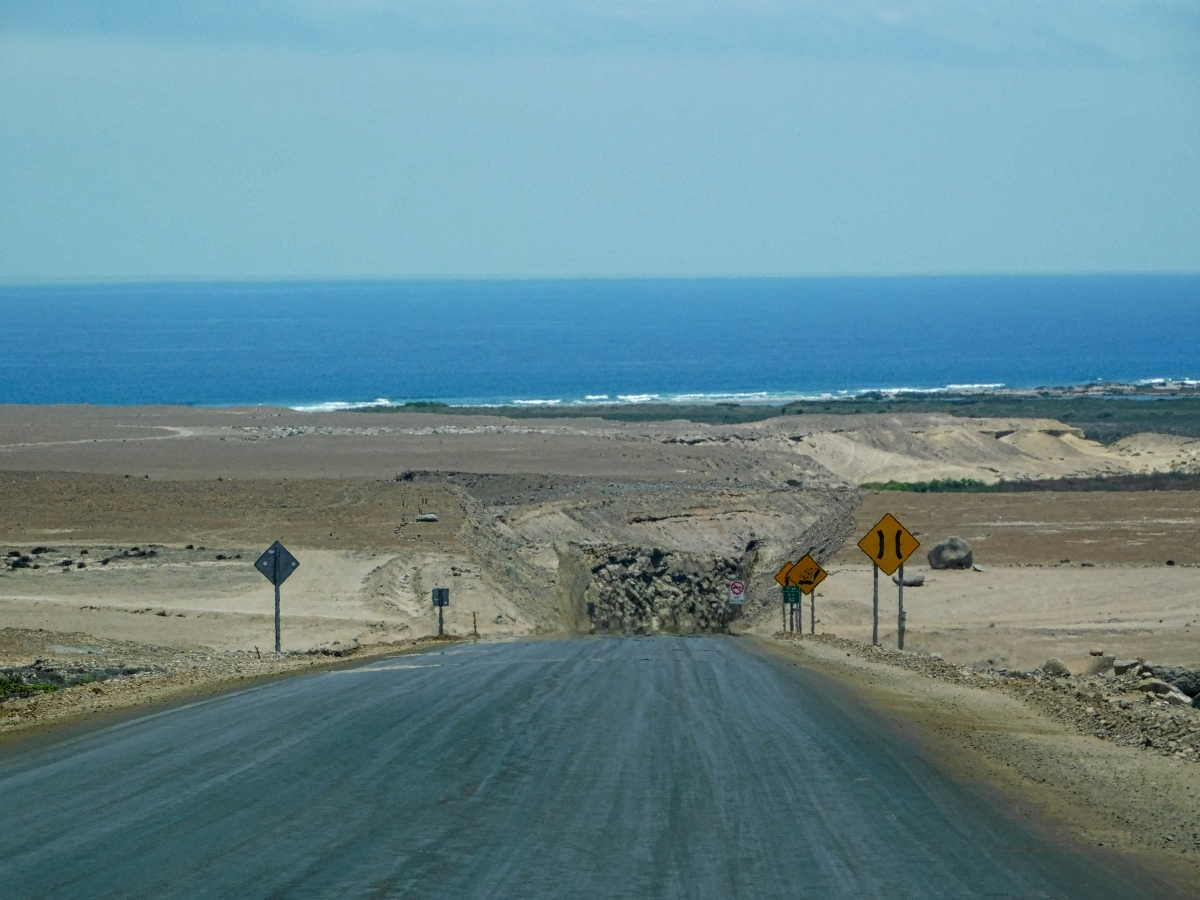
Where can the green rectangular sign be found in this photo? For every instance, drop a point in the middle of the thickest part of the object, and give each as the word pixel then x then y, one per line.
pixel 792 594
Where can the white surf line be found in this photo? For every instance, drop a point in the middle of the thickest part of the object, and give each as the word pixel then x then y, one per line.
pixel 179 433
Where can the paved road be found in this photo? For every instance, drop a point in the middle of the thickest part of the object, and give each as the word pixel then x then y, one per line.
pixel 641 768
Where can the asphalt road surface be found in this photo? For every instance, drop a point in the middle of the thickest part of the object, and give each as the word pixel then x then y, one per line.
pixel 597 768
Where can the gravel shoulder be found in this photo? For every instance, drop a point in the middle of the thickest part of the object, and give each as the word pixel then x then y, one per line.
pixel 1062 752
pixel 76 677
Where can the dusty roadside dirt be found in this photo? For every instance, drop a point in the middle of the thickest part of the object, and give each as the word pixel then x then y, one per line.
pixel 1064 574
pixel 1140 528
pixel 1027 741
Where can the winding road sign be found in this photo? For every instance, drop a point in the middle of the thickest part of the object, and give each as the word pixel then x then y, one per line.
pixel 889 544
pixel 806 574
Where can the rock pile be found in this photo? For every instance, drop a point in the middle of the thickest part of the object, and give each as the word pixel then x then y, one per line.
pixel 640 590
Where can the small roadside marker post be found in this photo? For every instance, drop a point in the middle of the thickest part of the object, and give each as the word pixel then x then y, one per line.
pixel 888 545
pixel 277 564
pixel 441 599
pixel 781 578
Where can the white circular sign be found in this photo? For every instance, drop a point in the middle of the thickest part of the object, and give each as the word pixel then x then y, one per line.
pixel 737 588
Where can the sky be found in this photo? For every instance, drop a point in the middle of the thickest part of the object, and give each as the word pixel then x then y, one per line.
pixel 261 139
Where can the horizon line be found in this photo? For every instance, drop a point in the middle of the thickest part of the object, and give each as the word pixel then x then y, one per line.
pixel 415 279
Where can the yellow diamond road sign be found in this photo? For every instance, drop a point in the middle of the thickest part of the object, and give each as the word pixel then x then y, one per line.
pixel 889 544
pixel 806 574
pixel 781 575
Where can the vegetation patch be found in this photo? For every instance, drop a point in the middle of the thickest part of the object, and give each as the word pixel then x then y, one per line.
pixel 1155 481
pixel 44 677
pixel 1106 418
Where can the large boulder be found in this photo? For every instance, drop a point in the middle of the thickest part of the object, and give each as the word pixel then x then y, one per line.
pixel 1121 666
pixel 1056 668
pixel 952 553
pixel 1188 682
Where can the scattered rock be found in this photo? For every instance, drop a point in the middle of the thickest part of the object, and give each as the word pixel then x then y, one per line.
pixel 1121 666
pixel 978 568
pixel 1096 651
pixel 909 580
pixel 1153 685
pixel 952 553
pixel 1175 698
pixel 1055 668
pixel 427 517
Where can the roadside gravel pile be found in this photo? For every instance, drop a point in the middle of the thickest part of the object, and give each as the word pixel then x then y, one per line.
pixel 79 675
pixel 1127 709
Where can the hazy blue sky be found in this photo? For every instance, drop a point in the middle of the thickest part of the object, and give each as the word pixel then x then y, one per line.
pixel 348 138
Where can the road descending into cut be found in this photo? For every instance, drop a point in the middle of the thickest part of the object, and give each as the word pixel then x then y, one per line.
pixel 660 767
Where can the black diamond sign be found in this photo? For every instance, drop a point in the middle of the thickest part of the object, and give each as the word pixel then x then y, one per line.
pixel 277 564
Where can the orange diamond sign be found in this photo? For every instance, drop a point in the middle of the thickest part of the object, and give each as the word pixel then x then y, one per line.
pixel 806 574
pixel 889 544
pixel 781 575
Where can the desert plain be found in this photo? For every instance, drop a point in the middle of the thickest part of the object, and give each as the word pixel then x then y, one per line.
pixel 135 531
pixel 165 509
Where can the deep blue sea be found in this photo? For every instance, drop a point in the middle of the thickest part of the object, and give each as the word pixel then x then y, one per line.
pixel 313 344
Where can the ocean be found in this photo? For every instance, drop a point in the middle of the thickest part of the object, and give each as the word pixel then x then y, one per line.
pixel 323 345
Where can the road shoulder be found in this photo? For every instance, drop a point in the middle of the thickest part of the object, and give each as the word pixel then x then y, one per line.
pixel 1071 785
pixel 140 677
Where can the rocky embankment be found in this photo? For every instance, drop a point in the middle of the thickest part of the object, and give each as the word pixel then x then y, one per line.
pixel 1131 708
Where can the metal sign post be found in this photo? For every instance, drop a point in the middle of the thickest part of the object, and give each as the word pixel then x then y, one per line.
pixel 875 608
pixel 441 599
pixel 781 578
pixel 888 545
pixel 791 600
pixel 277 564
